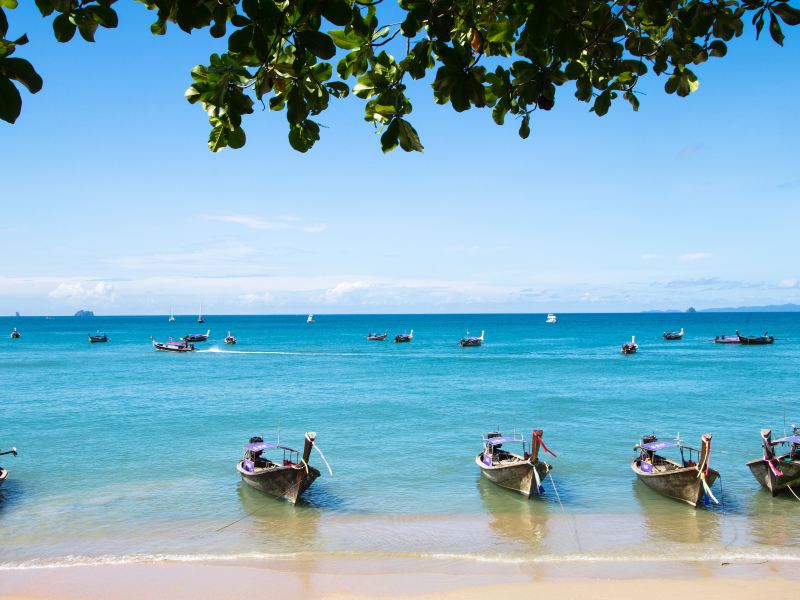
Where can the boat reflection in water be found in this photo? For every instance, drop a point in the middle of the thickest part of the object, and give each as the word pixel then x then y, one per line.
pixel 513 517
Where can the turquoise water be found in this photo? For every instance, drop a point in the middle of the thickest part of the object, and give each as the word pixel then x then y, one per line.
pixel 129 454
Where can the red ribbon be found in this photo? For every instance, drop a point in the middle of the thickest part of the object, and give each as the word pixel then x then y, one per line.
pixel 545 448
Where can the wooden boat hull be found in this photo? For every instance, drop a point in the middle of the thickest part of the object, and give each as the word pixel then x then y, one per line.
pixel 230 342
pixel 671 336
pixel 517 477
pixel 760 341
pixel 727 340
pixel 776 484
pixel 95 340
pixel 3 475
pixel 165 348
pixel 282 482
pixel 470 343
pixel 681 484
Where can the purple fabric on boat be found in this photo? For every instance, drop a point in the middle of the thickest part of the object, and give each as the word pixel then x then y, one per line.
pixel 792 439
pixel 503 440
pixel 249 466
pixel 259 446
pixel 646 467
pixel 655 446
pixel 487 460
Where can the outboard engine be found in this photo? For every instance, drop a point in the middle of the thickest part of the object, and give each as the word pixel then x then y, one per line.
pixel 256 439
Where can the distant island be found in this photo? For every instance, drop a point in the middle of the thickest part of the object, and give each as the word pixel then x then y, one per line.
pixel 84 313
pixel 766 308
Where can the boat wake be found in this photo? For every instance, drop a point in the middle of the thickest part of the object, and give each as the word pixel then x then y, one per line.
pixel 218 350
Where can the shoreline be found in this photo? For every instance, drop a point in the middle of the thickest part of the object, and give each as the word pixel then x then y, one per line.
pixel 396 578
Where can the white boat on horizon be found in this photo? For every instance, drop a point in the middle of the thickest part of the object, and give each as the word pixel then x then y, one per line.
pixel 200 318
pixel 310 319
pixel 551 318
pixel 171 316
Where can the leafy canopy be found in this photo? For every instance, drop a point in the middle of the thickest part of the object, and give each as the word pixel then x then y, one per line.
pixel 507 55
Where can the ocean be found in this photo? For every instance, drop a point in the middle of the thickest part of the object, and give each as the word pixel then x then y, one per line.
pixel 128 455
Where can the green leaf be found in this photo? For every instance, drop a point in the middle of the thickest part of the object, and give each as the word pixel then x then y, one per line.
pixel 63 28
pixel 788 14
pixel 525 127
pixel 87 29
pixel 337 12
pixel 303 135
pixel 775 29
pixel 602 103
pixel 409 139
pixel 10 100
pixel 10 4
pixel 107 17
pixel 21 70
pixel 346 41
pixel 46 7
pixel 318 43
pixel 218 138
pixel 158 28
pixel 718 48
pixel 390 135
pixel 236 138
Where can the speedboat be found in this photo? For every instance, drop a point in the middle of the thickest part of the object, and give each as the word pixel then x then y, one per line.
pixel 310 319
pixel 468 341
pixel 778 472
pixel 98 338
pixel 673 335
pixel 15 335
pixel 551 318
pixel 630 347
pixel 688 480
pixel 4 472
pixel 517 471
pixel 197 337
pixel 173 346
pixel 378 337
pixel 229 339
pixel 404 337
pixel 286 475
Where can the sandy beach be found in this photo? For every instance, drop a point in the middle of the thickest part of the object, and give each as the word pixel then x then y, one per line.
pixel 399 578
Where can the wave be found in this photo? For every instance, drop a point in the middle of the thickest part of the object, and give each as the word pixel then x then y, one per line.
pixel 217 350
pixel 743 556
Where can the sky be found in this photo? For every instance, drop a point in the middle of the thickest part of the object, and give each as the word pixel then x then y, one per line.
pixel 112 202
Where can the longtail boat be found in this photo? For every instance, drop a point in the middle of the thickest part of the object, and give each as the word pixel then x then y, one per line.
pixel 378 337
pixel 689 480
pixel 404 337
pixel 197 337
pixel 756 340
pixel 287 477
pixel 15 335
pixel 520 472
pixel 98 338
pixel 4 472
pixel 467 341
pixel 673 335
pixel 728 339
pixel 173 346
pixel 230 339
pixel 778 472
pixel 630 347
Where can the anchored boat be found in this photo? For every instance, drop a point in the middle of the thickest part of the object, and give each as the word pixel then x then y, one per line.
pixel 404 337
pixel 173 346
pixel 630 347
pixel 310 319
pixel 779 472
pixel 378 337
pixel 689 480
pixel 197 337
pixel 551 318
pixel 520 472
pixel 673 335
pixel 756 340
pixel 229 339
pixel 286 476
pixel 468 341
pixel 15 335
pixel 728 339
pixel 98 338
pixel 4 472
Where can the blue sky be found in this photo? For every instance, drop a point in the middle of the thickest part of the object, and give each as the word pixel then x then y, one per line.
pixel 111 200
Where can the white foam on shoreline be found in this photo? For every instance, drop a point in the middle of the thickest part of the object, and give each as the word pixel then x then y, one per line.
pixel 744 556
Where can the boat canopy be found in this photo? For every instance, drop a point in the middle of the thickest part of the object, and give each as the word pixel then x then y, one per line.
pixel 259 446
pixel 792 439
pixel 503 440
pixel 656 446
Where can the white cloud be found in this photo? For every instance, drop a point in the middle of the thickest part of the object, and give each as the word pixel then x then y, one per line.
pixel 263 298
pixel 788 283
pixel 345 288
pixel 695 256
pixel 278 223
pixel 81 292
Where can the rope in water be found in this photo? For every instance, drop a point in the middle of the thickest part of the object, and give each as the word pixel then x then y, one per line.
pixel 571 517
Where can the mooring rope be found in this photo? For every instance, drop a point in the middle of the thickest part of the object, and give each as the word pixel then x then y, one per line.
pixel 571 517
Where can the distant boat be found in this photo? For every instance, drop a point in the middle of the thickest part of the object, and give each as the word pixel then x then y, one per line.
pixel 200 318
pixel 171 316
pixel 404 337
pixel 519 472
pixel 15 335
pixel 688 480
pixel 229 339
pixel 197 337
pixel 16 314
pixel 286 476
pixel 98 338
pixel 4 472
pixel 728 339
pixel 757 340
pixel 673 335
pixel 310 319
pixel 468 341
pixel 778 473
pixel 173 346
pixel 630 347
pixel 551 318
pixel 378 337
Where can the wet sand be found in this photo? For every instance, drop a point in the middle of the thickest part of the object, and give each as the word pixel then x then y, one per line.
pixel 395 578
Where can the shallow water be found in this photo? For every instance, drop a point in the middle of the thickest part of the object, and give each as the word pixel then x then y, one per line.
pixel 126 453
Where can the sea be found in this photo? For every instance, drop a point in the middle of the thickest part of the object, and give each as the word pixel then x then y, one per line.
pixel 129 455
